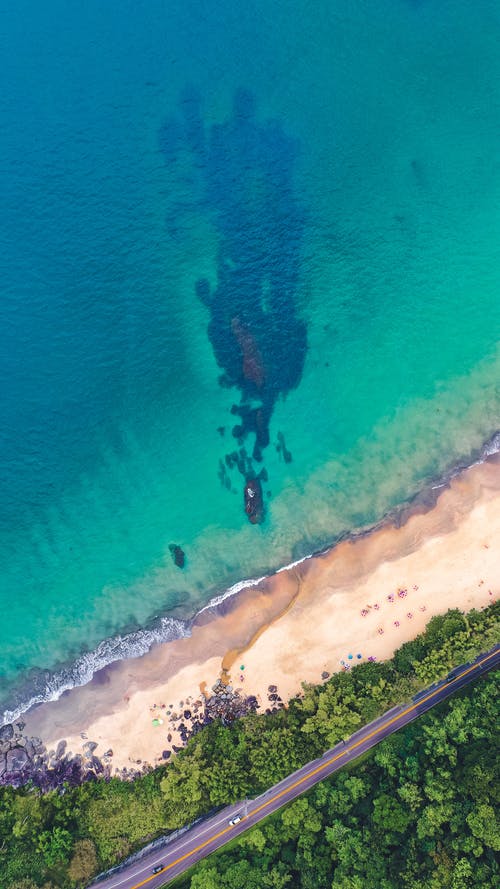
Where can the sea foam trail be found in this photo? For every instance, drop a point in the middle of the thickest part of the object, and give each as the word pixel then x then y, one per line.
pixel 47 686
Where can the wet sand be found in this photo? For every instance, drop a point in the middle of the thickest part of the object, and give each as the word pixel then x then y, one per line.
pixel 365 596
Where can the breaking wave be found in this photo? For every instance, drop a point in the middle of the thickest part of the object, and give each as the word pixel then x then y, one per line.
pixel 45 685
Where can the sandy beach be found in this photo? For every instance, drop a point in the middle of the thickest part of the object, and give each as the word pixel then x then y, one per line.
pixel 360 599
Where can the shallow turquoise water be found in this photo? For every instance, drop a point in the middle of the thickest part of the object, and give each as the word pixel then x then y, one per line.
pixel 361 194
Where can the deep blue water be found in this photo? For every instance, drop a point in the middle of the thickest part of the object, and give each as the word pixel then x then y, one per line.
pixel 235 238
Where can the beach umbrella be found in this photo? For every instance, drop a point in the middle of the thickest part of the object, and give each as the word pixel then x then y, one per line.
pixel 350 657
pixel 359 656
pixel 242 667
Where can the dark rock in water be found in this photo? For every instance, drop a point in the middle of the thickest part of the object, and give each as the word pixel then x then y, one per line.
pixel 6 732
pixel 177 555
pixel 221 430
pixel 254 503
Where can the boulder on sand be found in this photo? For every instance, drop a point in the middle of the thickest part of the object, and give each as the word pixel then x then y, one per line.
pixel 16 759
pixel 6 732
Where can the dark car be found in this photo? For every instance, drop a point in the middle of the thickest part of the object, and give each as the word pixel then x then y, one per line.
pixel 158 869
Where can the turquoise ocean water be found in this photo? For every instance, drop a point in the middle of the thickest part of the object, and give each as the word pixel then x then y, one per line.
pixel 290 209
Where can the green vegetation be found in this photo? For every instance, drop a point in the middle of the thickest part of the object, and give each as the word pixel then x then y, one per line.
pixel 416 812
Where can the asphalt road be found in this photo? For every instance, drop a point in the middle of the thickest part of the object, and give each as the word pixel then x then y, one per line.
pixel 211 834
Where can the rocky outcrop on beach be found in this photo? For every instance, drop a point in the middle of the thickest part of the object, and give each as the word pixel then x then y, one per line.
pixel 223 703
pixel 24 759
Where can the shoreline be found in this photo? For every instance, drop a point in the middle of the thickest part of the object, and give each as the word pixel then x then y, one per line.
pixel 300 624
pixel 167 629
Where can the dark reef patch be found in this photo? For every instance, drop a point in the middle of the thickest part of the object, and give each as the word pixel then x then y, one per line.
pixel 177 554
pixel 257 336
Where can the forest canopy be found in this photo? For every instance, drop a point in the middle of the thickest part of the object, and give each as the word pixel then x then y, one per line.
pixel 418 811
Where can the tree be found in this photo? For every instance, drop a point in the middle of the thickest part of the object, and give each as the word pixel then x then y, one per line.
pixel 390 816
pixel 25 883
pixel 277 878
pixel 28 817
pixel 484 825
pixel 206 878
pixel 84 863
pixel 462 873
pixel 55 845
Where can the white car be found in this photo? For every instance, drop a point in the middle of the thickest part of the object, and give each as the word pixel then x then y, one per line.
pixel 235 820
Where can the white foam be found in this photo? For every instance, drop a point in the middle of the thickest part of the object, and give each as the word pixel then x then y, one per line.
pixel 251 582
pixel 232 591
pixel 81 671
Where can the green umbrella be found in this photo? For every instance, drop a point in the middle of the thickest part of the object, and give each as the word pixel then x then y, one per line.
pixel 242 667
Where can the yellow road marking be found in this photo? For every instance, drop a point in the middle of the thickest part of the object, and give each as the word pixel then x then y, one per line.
pixel 316 771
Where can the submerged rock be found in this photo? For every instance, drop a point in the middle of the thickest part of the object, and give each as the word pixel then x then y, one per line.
pixel 177 555
pixel 254 503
